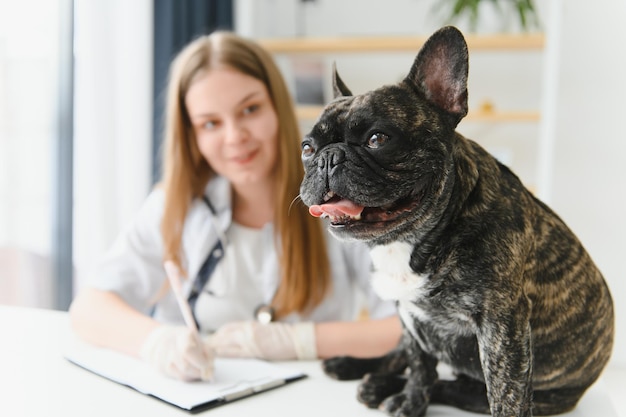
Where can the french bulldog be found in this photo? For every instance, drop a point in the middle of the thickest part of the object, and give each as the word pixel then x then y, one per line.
pixel 487 278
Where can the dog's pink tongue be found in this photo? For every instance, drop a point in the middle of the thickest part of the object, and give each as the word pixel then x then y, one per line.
pixel 336 209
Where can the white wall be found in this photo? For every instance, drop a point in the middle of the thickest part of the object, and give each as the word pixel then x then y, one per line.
pixel 29 56
pixel 587 175
pixel 589 178
pixel 28 86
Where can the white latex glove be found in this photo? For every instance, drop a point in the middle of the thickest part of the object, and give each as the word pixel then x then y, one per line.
pixel 174 351
pixel 273 341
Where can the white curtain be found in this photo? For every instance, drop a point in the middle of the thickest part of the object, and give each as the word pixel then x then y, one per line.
pixel 29 59
pixel 112 125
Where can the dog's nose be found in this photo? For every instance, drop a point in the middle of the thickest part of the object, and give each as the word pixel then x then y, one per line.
pixel 331 158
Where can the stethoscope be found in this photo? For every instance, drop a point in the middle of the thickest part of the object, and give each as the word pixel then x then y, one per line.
pixel 264 313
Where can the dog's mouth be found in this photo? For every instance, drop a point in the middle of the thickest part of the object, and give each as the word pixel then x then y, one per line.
pixel 344 212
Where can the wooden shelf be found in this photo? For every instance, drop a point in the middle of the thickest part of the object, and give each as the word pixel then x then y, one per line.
pixel 396 43
pixel 374 44
pixel 307 112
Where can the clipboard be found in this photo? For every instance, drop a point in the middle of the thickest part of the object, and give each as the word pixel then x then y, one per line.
pixel 233 380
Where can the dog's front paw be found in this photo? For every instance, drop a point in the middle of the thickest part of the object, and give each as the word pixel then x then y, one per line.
pixel 376 387
pixel 413 404
pixel 347 368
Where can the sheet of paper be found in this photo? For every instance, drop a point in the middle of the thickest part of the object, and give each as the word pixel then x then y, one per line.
pixel 232 377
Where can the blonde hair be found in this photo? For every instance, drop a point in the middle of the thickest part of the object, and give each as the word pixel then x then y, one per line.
pixel 299 238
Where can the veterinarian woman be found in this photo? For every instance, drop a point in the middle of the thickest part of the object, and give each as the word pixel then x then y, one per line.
pixel 227 215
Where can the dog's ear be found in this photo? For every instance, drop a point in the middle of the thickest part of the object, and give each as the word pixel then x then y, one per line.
pixel 440 71
pixel 339 87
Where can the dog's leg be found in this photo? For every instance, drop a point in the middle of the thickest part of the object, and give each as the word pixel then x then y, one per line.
pixel 413 400
pixel 471 395
pixel 376 387
pixel 505 347
pixel 556 401
pixel 464 392
pixel 349 368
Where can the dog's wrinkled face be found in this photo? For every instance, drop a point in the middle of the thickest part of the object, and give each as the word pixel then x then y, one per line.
pixel 375 162
pixel 370 177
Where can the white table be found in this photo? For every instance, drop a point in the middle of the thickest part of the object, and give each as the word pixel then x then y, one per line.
pixel 35 380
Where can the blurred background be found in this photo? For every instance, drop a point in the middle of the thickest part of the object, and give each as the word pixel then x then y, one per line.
pixel 81 96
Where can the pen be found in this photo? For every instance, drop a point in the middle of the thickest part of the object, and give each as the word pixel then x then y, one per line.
pixel 173 274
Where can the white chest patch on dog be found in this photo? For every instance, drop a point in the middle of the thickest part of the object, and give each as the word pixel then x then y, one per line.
pixel 393 278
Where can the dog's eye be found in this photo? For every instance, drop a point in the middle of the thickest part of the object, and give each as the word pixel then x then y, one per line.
pixel 307 150
pixel 377 140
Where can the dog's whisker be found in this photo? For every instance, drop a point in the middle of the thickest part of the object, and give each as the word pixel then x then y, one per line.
pixel 296 198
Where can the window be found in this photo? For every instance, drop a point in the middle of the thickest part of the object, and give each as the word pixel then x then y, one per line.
pixel 30 73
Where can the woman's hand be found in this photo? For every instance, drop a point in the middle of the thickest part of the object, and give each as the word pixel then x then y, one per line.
pixel 273 341
pixel 175 352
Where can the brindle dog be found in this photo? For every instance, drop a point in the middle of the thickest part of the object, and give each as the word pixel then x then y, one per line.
pixel 487 278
